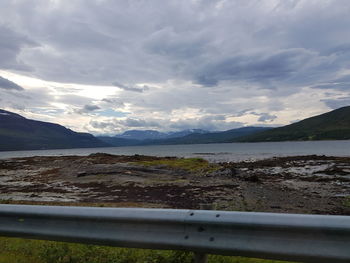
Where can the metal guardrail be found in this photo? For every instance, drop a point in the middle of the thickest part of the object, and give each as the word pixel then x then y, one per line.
pixel 307 238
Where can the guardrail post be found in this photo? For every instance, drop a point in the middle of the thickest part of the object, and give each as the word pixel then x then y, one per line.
pixel 202 257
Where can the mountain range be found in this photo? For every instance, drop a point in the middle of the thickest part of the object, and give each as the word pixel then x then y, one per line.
pixel 156 135
pixel 19 133
pixel 190 137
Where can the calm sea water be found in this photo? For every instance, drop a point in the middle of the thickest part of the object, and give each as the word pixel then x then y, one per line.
pixel 217 152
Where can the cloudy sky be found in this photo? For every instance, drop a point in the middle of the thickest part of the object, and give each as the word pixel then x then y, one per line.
pixel 105 66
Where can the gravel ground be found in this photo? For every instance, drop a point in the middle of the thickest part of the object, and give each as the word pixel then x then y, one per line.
pixel 301 184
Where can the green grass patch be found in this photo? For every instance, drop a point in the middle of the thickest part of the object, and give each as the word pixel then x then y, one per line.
pixel 16 250
pixel 195 165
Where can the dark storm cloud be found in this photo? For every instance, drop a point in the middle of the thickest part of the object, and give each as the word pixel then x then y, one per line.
pixel 266 117
pixel 25 99
pixel 91 108
pixel 113 102
pixel 96 42
pixel 130 88
pixel 341 83
pixel 11 44
pixel 9 85
pixel 258 68
pixel 88 108
pixel 338 50
pixel 334 86
pixel 337 103
pixel 168 42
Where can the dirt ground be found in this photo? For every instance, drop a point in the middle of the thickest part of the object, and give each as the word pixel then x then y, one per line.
pixel 302 184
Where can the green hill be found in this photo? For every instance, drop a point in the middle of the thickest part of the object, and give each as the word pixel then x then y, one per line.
pixel 334 125
pixel 19 133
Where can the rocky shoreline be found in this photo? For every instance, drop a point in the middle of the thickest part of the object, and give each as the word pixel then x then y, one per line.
pixel 300 184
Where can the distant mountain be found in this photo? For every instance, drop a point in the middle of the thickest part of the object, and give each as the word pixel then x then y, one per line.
pixel 141 135
pixel 115 141
pixel 189 137
pixel 19 133
pixel 185 133
pixel 213 137
pixel 155 135
pixel 333 125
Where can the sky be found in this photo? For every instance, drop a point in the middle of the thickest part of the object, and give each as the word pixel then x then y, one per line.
pixel 106 66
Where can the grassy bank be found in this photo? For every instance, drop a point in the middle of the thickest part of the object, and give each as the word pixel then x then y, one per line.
pixel 196 165
pixel 15 250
